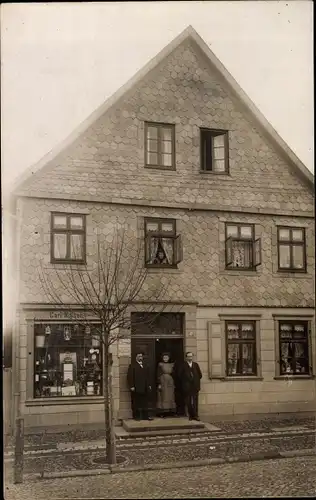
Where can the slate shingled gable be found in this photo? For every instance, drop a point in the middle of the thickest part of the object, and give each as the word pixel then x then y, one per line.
pixel 90 155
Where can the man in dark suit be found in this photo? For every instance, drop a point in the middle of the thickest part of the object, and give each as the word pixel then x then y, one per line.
pixel 191 376
pixel 138 380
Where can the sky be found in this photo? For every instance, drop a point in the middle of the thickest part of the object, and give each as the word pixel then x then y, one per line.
pixel 60 61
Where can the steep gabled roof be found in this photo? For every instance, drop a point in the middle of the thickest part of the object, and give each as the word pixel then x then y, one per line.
pixel 188 33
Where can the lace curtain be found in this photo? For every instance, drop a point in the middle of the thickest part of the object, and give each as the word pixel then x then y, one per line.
pixel 166 245
pixel 242 255
pixel 153 249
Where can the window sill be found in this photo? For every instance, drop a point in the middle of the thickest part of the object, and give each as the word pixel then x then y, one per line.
pixel 292 274
pixel 210 172
pixel 61 400
pixel 155 270
pixel 158 167
pixel 294 377
pixel 67 265
pixel 240 272
pixel 68 262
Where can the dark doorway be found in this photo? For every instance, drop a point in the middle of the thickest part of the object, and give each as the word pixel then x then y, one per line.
pixel 153 349
pixel 153 335
pixel 174 346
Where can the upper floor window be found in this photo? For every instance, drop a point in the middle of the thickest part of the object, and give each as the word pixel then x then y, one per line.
pixel 214 151
pixel 294 348
pixel 243 251
pixel 163 248
pixel 68 235
pixel 291 249
pixel 159 146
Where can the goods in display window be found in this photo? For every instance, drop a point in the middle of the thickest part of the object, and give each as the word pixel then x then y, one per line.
pixel 68 360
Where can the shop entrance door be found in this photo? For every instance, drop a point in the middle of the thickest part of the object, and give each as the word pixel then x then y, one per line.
pixel 152 349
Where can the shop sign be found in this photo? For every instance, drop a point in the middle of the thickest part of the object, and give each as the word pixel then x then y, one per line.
pixel 67 315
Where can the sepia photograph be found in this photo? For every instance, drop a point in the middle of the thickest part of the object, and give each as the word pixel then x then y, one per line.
pixel 158 250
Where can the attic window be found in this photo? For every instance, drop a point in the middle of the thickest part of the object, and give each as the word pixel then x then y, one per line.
pixel 214 151
pixel 159 146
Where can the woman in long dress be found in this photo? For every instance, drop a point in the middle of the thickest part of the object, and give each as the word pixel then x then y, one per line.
pixel 166 401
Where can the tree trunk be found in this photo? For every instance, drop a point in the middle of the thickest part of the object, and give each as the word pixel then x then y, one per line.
pixel 110 449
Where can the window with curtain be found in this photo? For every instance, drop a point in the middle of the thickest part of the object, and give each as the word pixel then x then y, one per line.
pixel 294 348
pixel 163 246
pixel 160 145
pixel 68 238
pixel 241 348
pixel 243 251
pixel 67 360
pixel 291 249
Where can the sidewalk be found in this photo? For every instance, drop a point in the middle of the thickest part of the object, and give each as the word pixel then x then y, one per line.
pixel 93 434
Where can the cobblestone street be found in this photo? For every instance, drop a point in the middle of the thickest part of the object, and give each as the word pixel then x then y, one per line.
pixel 152 455
pixel 272 478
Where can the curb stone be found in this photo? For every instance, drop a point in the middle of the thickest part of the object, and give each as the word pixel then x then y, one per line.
pixel 298 453
pixel 114 469
pixel 77 473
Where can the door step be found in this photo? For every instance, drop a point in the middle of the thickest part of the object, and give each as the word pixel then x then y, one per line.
pixel 122 434
pixel 162 427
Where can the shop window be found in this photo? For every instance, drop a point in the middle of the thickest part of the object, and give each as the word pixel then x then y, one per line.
pixel 163 247
pixel 243 251
pixel 241 348
pixel 68 238
pixel 294 348
pixel 67 360
pixel 160 146
pixel 291 249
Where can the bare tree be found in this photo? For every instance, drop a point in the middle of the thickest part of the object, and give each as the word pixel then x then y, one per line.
pixel 109 290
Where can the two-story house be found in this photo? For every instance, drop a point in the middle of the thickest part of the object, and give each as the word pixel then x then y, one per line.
pixel 184 158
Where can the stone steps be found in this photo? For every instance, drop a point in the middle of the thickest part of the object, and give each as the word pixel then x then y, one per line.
pixel 159 424
pixel 168 427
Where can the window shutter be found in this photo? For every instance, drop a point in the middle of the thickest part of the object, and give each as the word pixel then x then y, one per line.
pixel 178 249
pixel 229 251
pixel 216 348
pixel 258 349
pixel 310 349
pixel 257 252
pixel 147 249
pixel 277 347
